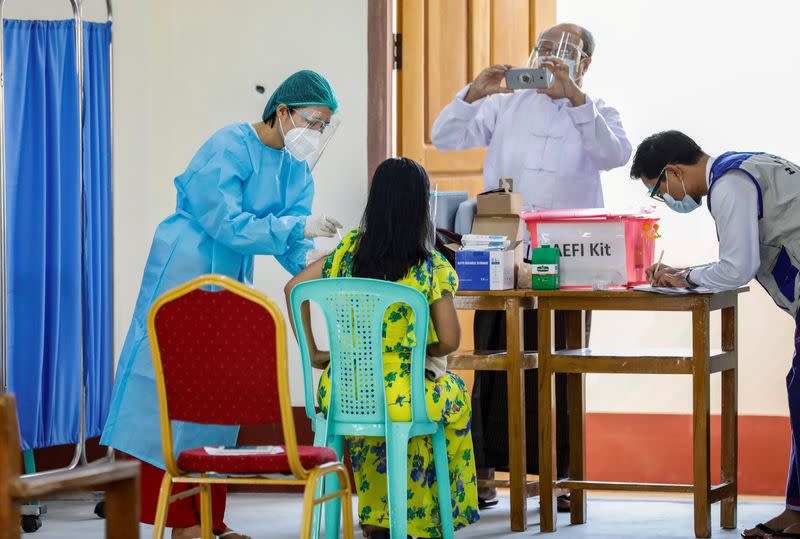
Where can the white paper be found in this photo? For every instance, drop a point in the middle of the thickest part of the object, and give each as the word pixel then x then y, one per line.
pixel 220 451
pixel 670 291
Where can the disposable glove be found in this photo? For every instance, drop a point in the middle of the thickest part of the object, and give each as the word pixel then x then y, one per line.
pixel 321 226
pixel 315 254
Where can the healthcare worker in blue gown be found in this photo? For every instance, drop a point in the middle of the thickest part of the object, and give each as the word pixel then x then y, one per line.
pixel 248 191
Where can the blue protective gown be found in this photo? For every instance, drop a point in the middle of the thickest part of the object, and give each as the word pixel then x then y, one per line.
pixel 236 199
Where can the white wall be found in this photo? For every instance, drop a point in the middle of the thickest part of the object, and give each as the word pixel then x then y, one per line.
pixel 185 68
pixel 207 58
pixel 724 73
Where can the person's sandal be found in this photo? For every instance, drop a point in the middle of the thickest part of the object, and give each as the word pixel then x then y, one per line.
pixel 768 532
pixel 486 503
pixel 563 503
pixel 230 532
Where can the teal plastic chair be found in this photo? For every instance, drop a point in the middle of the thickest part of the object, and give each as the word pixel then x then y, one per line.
pixel 354 309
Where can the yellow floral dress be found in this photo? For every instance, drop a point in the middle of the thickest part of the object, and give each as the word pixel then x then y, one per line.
pixel 447 400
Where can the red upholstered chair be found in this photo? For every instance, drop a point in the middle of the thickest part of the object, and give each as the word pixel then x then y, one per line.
pixel 219 351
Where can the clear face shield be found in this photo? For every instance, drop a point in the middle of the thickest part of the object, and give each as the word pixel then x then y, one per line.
pixel 310 132
pixel 565 46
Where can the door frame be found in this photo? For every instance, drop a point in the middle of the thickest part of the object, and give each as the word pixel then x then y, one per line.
pixel 380 75
pixel 380 72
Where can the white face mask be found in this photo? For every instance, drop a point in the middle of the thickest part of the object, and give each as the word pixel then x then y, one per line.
pixel 301 142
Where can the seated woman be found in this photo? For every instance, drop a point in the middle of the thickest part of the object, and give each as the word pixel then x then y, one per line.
pixel 394 244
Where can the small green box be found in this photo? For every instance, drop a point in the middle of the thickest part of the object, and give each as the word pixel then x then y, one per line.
pixel 545 268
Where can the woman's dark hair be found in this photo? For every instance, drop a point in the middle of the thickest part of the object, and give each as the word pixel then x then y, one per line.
pixel 662 149
pixel 270 121
pixel 396 226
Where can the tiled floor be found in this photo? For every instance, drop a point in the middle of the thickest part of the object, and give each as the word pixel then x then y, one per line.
pixel 278 515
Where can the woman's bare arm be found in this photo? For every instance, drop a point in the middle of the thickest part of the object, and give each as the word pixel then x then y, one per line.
pixel 318 358
pixel 445 322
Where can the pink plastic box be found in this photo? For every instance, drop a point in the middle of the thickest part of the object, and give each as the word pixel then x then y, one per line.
pixel 598 248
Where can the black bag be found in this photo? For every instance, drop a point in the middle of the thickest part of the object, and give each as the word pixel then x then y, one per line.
pixel 444 238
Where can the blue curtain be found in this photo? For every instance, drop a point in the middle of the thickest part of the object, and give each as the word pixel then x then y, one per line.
pixel 98 330
pixel 45 231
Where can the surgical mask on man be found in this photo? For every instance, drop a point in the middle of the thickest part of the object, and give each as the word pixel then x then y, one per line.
pixel 571 64
pixel 686 205
pixel 537 62
pixel 301 142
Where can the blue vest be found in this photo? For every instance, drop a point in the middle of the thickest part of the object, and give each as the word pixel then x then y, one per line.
pixel 778 184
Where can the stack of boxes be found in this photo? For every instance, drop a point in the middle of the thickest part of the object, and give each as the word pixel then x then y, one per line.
pixel 496 222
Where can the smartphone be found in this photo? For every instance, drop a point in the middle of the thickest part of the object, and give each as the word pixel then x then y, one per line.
pixel 526 78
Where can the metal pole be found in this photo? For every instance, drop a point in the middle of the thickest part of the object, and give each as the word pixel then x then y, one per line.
pixel 111 163
pixel 3 213
pixel 77 10
pixel 110 19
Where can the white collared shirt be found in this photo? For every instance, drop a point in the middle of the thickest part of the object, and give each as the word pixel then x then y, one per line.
pixel 735 212
pixel 553 151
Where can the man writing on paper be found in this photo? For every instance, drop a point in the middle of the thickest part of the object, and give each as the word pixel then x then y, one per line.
pixel 754 198
pixel 553 142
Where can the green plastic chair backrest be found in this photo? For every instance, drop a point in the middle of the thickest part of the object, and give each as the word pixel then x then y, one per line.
pixel 354 309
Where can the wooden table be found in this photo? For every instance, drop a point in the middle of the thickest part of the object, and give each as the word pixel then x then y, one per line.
pixel 699 362
pixel 514 362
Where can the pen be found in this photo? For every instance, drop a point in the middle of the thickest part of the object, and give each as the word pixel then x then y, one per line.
pixel 658 264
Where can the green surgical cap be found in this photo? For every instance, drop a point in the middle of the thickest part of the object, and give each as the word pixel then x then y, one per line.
pixel 303 89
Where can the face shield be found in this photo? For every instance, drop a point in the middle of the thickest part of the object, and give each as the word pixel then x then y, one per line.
pixel 567 46
pixel 310 132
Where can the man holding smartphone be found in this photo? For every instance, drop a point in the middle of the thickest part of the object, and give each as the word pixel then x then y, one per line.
pixel 553 142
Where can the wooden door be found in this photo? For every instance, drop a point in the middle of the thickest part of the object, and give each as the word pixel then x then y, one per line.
pixel 445 45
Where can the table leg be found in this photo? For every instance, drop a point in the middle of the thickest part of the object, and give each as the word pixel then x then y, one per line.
pixel 730 437
pixel 576 393
pixel 701 417
pixel 122 509
pixel 517 465
pixel 547 424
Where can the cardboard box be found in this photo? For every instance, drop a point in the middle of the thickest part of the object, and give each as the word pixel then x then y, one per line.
pixel 497 214
pixel 499 202
pixel 510 226
pixel 485 270
pixel 502 225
